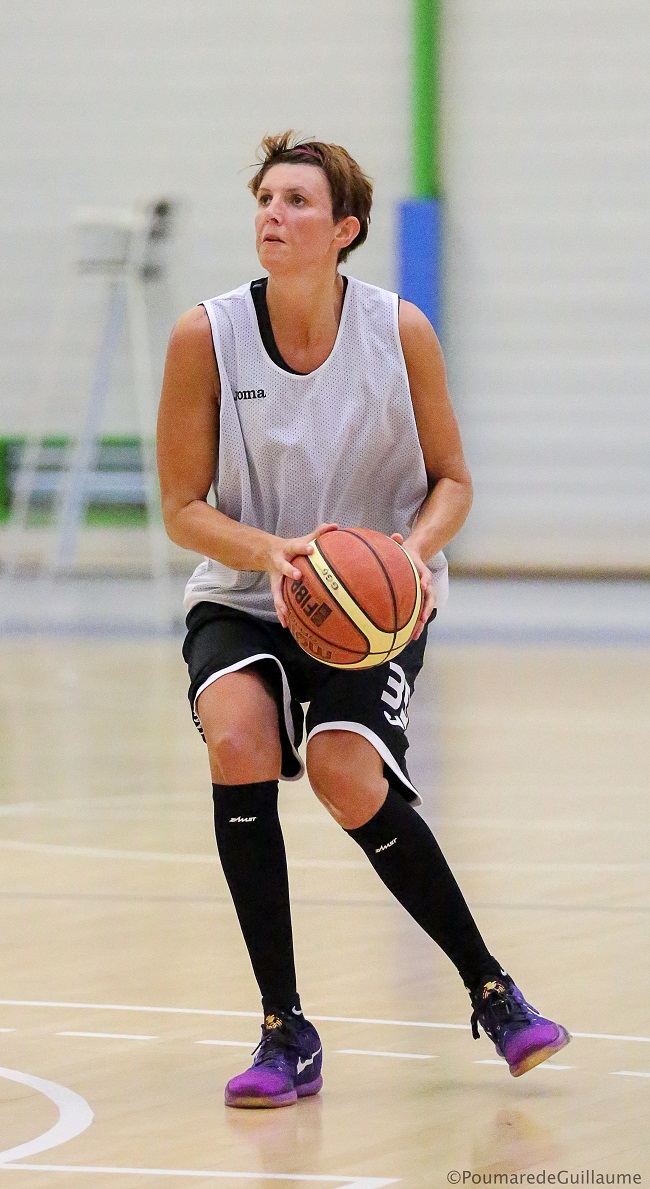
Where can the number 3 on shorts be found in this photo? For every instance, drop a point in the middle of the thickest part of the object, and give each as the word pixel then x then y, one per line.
pixel 397 694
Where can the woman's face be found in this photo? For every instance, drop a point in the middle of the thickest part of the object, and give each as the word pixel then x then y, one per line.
pixel 294 228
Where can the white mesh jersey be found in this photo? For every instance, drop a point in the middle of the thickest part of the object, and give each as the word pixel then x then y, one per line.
pixel 339 444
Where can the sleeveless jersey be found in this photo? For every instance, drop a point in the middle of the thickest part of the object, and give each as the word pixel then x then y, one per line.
pixel 338 445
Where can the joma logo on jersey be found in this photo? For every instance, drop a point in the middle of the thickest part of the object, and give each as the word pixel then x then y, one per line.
pixel 249 394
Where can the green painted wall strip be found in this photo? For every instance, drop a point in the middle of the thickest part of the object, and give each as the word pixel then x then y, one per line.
pixel 114 513
pixel 425 150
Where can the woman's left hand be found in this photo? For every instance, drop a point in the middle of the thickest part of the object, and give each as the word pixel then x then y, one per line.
pixel 428 593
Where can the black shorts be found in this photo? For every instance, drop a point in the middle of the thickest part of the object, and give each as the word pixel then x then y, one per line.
pixel 369 702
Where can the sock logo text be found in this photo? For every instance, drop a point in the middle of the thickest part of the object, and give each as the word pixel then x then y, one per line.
pixel 386 846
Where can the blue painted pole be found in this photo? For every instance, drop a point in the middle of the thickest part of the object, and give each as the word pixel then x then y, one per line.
pixel 420 256
pixel 419 237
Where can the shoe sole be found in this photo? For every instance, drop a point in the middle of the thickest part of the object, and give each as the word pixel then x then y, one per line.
pixel 538 1055
pixel 252 1103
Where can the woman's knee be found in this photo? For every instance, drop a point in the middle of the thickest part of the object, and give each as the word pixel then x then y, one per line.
pixel 239 756
pixel 347 776
pixel 240 726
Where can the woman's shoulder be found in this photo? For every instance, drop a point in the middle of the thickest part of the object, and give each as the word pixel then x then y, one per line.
pixel 190 346
pixel 365 289
pixel 231 297
pixel 415 328
pixel 192 327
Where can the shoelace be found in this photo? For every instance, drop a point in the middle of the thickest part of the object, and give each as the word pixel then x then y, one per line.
pixel 273 1041
pixel 504 1009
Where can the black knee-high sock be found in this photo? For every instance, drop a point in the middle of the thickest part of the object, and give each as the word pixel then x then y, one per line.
pixel 251 849
pixel 406 856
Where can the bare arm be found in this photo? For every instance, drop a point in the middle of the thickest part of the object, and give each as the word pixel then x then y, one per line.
pixel 188 442
pixel 449 499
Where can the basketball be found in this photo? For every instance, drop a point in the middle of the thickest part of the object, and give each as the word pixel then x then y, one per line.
pixel 357 601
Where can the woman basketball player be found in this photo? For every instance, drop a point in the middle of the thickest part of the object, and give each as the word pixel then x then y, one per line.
pixel 310 399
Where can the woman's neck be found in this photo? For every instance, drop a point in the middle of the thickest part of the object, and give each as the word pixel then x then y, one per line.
pixel 305 315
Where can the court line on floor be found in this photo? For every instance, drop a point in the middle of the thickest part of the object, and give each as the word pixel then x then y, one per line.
pixel 250 1045
pixel 196 805
pixel 146 856
pixel 232 1044
pixel 122 806
pixel 344 1182
pixel 97 852
pixel 109 1035
pixel 545 1065
pixel 385 904
pixel 255 1015
pixel 150 856
pixel 75 1116
pixel 629 1073
pixel 541 823
pixel 377 1053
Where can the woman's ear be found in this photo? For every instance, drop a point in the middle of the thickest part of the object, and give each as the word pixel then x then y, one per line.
pixel 346 231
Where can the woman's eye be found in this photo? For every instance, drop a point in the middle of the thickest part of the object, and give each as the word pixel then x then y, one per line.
pixel 298 199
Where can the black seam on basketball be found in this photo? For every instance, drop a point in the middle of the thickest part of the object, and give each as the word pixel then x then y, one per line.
pixel 386 576
pixel 348 591
pixel 341 647
pixel 362 656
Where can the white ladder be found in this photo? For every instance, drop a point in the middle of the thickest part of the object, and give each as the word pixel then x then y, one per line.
pixel 126 260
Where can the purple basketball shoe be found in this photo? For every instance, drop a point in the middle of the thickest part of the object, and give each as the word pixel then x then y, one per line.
pixel 287 1065
pixel 520 1034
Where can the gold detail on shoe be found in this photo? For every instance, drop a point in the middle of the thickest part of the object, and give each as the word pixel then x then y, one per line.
pixel 492 986
pixel 272 1022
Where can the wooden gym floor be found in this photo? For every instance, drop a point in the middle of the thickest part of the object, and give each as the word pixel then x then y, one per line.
pixel 127 999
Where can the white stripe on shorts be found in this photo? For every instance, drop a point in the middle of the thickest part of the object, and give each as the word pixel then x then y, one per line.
pixel 357 728
pixel 286 698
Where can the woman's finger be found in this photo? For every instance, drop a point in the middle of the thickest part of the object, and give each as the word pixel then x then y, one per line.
pixel 323 528
pixel 279 603
pixel 305 545
pixel 300 548
pixel 289 570
pixel 428 604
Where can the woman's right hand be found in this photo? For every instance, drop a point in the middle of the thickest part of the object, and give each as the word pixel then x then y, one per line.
pixel 280 556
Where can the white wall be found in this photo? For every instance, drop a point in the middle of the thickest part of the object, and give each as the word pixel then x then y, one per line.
pixel 108 101
pixel 547 170
pixel 547 177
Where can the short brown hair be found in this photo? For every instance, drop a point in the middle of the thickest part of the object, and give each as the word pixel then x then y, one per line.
pixel 350 189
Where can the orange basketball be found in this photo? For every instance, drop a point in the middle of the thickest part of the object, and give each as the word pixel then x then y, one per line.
pixel 358 599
